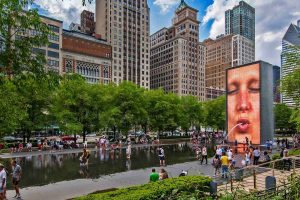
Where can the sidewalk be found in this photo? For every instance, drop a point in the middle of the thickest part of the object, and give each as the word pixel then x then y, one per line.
pixel 70 189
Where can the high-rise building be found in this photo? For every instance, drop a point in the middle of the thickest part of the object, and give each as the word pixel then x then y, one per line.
pixel 52 51
pixel 125 24
pixel 85 55
pixel 224 52
pixel 276 84
pixel 87 22
pixel 290 40
pixel 177 57
pixel 241 20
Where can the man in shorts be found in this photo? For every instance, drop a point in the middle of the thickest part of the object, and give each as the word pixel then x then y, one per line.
pixel 16 177
pixel 161 155
pixel 2 182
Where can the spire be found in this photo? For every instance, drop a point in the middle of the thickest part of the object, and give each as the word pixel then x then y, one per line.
pixel 182 5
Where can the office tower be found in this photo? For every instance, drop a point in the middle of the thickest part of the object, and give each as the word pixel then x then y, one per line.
pixel 125 24
pixel 87 22
pixel 276 84
pixel 85 55
pixel 290 40
pixel 52 51
pixel 177 57
pixel 222 53
pixel 241 20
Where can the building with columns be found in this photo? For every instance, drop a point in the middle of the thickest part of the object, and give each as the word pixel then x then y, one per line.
pixel 125 25
pixel 177 59
pixel 87 56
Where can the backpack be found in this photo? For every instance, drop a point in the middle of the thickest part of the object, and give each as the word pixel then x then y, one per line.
pixel 216 162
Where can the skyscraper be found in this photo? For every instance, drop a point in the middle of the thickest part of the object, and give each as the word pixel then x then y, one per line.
pixel 177 56
pixel 125 24
pixel 241 20
pixel 225 52
pixel 87 22
pixel 290 40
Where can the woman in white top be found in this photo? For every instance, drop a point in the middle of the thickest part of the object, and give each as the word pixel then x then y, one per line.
pixel 247 158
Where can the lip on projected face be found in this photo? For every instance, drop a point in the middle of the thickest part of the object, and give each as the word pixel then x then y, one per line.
pixel 243 125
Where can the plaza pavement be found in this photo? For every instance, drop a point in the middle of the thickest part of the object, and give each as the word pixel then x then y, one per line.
pixel 70 189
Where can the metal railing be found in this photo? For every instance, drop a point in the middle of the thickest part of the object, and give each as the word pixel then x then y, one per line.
pixel 253 178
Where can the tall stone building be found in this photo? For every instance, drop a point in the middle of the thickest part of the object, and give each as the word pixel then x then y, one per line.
pixel 241 20
pixel 224 52
pixel 177 57
pixel 125 24
pixel 290 40
pixel 87 22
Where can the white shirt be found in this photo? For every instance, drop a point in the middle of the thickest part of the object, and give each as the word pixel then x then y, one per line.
pixel 229 154
pixel 219 151
pixel 3 176
pixel 256 153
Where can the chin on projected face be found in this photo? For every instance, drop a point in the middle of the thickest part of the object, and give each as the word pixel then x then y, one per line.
pixel 243 103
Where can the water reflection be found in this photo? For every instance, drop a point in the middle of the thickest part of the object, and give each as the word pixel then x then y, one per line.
pixel 46 169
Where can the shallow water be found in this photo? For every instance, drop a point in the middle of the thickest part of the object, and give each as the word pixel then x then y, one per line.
pixel 46 169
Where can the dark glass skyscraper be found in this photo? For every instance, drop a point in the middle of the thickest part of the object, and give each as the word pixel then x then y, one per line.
pixel 241 20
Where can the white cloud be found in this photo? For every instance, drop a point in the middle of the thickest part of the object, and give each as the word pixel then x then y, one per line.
pixel 67 10
pixel 272 20
pixel 165 5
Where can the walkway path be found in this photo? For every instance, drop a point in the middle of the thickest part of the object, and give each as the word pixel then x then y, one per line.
pixel 70 189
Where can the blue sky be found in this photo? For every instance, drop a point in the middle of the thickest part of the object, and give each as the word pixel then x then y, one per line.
pixel 165 18
pixel 272 18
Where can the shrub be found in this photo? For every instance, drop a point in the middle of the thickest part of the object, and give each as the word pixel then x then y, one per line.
pixel 157 190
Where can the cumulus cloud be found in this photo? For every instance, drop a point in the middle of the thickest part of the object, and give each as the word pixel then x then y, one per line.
pixel 67 10
pixel 272 20
pixel 165 5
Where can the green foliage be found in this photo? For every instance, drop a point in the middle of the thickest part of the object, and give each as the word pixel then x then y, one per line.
pixel 276 156
pixel 11 107
pixel 283 115
pixel 16 30
pixel 215 113
pixel 166 189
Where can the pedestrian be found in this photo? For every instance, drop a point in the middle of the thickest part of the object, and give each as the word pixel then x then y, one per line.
pixel 219 151
pixel 204 154
pixel 161 155
pixel 85 144
pixel 3 179
pixel 247 158
pixel 163 174
pixel 224 165
pixel 286 160
pixel 256 157
pixel 128 151
pixel 84 159
pixel 154 176
pixel 16 177
pixel 230 155
pixel 216 164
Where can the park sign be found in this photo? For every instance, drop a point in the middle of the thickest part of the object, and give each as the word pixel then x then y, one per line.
pixel 249 103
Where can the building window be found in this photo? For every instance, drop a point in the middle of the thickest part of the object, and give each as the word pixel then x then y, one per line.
pixel 53 54
pixel 54 28
pixel 53 45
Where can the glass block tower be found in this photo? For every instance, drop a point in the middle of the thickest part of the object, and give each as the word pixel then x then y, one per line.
pixel 241 20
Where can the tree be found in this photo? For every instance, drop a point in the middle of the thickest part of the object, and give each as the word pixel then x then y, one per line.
pixel 21 32
pixel 73 106
pixel 11 107
pixel 191 113
pixel 283 115
pixel 215 111
pixel 35 92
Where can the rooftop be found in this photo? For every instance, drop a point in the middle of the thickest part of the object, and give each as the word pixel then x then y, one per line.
pixel 184 5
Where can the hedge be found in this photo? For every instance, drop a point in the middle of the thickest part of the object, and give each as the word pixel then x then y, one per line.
pixel 157 190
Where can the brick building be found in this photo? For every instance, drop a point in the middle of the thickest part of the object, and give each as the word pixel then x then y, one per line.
pixel 87 22
pixel 87 56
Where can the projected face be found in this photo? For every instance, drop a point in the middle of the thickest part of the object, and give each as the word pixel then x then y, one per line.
pixel 243 104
